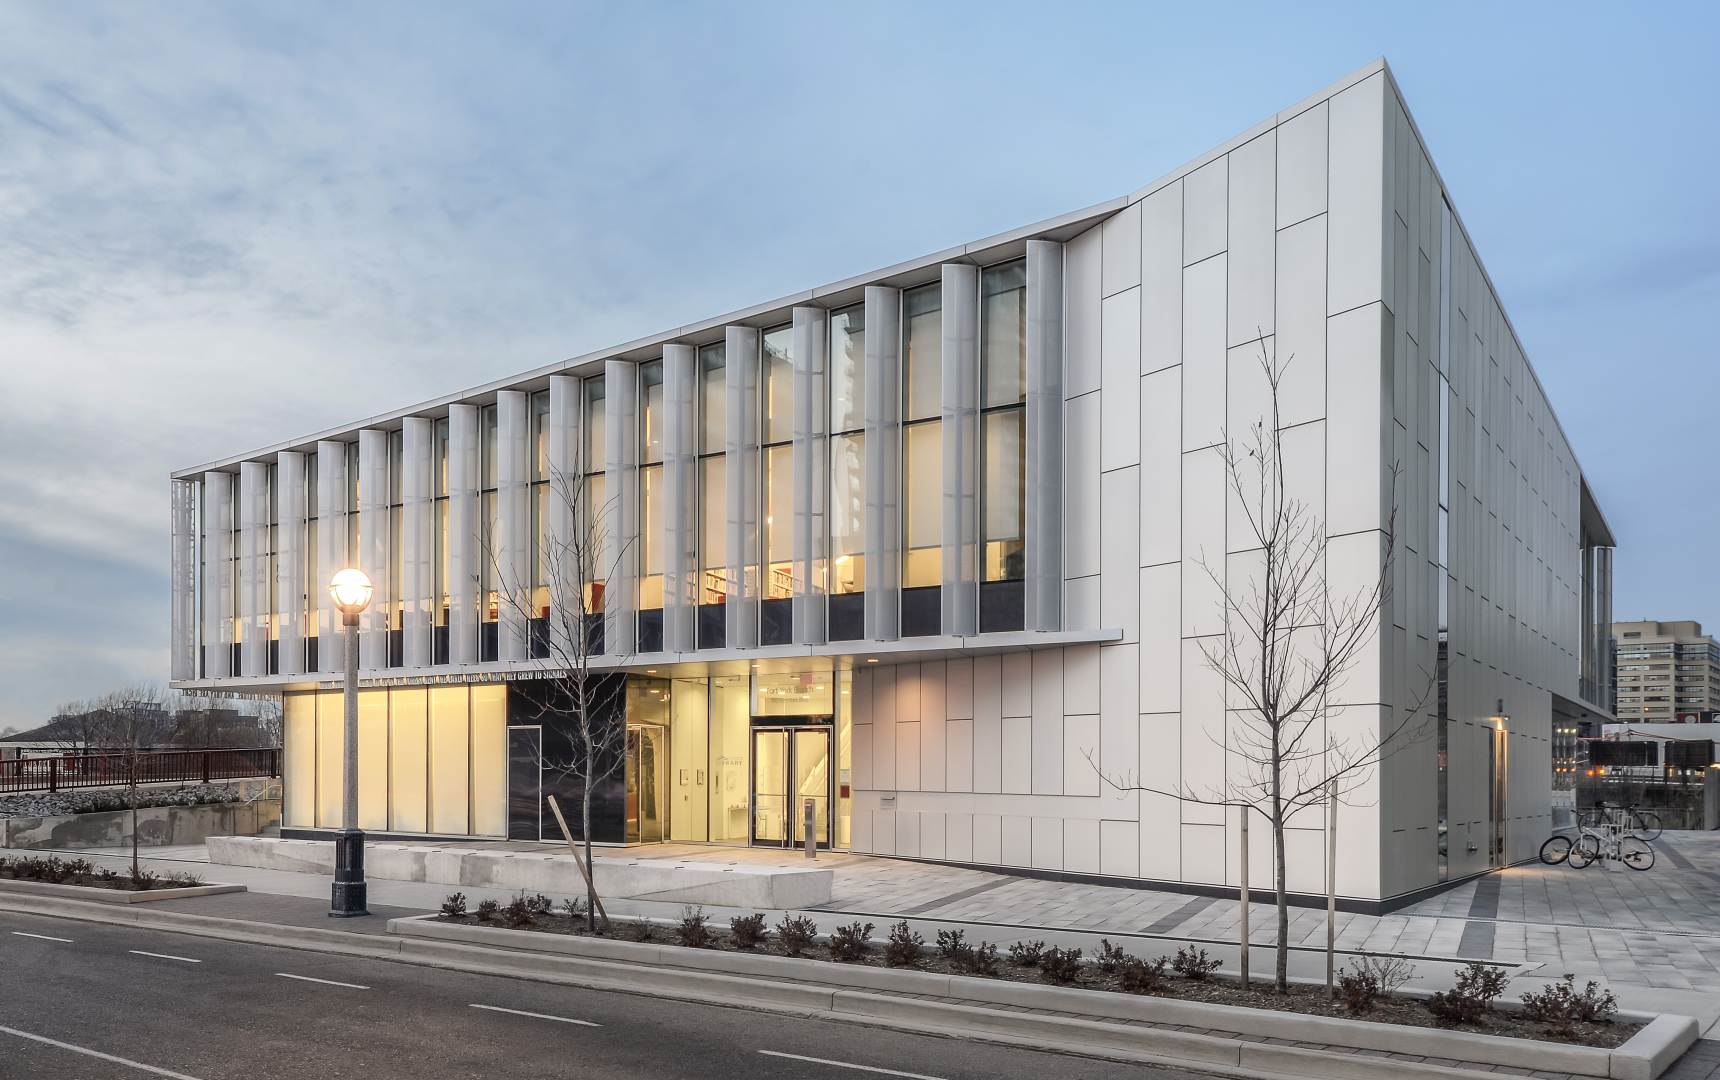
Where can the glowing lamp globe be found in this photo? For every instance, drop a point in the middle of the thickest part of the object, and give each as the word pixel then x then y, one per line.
pixel 350 590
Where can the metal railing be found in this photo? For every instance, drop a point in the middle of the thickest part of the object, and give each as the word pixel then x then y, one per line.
pixel 64 772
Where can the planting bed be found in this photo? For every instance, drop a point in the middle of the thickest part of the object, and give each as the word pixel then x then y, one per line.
pixel 1500 1018
pixel 52 870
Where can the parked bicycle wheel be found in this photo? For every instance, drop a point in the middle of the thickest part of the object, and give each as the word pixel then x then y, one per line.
pixel 1635 853
pixel 1556 850
pixel 1647 825
pixel 1585 851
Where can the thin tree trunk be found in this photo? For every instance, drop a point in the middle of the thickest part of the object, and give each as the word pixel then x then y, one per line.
pixel 590 867
pixel 1281 976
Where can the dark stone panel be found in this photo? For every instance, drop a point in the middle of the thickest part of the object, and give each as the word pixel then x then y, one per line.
pixel 922 613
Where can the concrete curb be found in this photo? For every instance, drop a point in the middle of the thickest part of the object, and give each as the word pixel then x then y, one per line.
pixel 643 968
pixel 98 895
pixel 1643 1057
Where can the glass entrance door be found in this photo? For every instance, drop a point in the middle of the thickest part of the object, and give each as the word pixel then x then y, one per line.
pixel 790 766
pixel 647 785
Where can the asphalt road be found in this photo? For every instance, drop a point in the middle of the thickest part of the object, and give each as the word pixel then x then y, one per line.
pixel 96 1006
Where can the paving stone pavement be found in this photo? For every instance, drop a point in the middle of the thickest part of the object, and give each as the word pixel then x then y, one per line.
pixel 1659 928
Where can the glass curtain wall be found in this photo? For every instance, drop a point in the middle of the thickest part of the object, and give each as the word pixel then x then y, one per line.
pixel 490 608
pixel 396 550
pixel 595 509
pixel 1003 445
pixel 713 498
pixel 439 482
pixel 922 460
pixel 776 621
pixel 651 523
pixel 847 474
pixel 540 494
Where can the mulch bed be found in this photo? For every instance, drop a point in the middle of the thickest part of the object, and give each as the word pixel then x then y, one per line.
pixel 1307 1000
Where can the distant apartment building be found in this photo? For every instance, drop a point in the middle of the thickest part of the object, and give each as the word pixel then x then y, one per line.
pixel 1668 672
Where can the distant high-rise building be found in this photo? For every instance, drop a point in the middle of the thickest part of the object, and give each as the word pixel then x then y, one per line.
pixel 1668 672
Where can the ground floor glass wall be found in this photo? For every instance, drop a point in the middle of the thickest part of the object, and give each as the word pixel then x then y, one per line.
pixel 728 759
pixel 431 760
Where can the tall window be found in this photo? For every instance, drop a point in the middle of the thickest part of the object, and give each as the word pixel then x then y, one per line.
pixel 352 523
pixel 439 482
pixel 922 459
pixel 540 568
pixel 1003 445
pixel 775 609
pixel 396 550
pixel 713 498
pixel 307 600
pixel 490 595
pixel 272 545
pixel 595 511
pixel 847 473
pixel 651 525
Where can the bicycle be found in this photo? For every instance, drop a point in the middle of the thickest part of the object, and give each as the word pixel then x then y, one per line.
pixel 1642 824
pixel 1609 839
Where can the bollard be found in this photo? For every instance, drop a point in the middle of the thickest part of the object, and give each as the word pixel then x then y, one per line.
pixel 811 829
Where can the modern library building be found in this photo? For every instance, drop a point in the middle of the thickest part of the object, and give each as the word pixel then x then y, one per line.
pixel 945 548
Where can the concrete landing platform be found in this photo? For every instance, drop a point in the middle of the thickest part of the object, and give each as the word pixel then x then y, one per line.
pixel 554 874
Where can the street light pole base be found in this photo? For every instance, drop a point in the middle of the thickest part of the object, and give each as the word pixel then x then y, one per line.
pixel 347 897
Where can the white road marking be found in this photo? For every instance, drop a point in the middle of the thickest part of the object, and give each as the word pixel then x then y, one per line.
pixel 41 937
pixel 325 982
pixel 138 1065
pixel 849 1065
pixel 164 956
pixel 537 1016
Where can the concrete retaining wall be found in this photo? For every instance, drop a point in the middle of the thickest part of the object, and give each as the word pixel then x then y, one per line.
pixel 157 826
pixel 554 874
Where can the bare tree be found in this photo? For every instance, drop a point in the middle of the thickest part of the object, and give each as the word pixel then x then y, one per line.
pixel 1288 645
pixel 132 721
pixel 563 620
pixel 78 726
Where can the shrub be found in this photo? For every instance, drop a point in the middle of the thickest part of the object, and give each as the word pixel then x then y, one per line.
pixel 1367 979
pixel 1562 1007
pixel 795 933
pixel 639 930
pixel 573 908
pixel 1137 976
pixel 519 912
pixel 455 906
pixel 1026 953
pixel 848 943
pixel 1060 966
pixel 1193 963
pixel 540 904
pixel 1477 986
pixel 143 880
pixel 951 944
pixel 905 946
pixel 488 910
pixel 1111 957
pixel 748 931
pixel 694 930
pixel 1359 988
pixel 983 961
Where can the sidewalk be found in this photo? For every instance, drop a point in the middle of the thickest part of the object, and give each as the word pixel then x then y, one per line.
pixel 1654 937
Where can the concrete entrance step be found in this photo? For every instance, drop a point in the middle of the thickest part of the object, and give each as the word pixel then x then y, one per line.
pixel 742 885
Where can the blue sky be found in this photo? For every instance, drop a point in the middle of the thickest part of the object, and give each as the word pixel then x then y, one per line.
pixel 225 225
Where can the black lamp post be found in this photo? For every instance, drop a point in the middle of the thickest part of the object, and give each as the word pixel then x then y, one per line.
pixel 351 590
